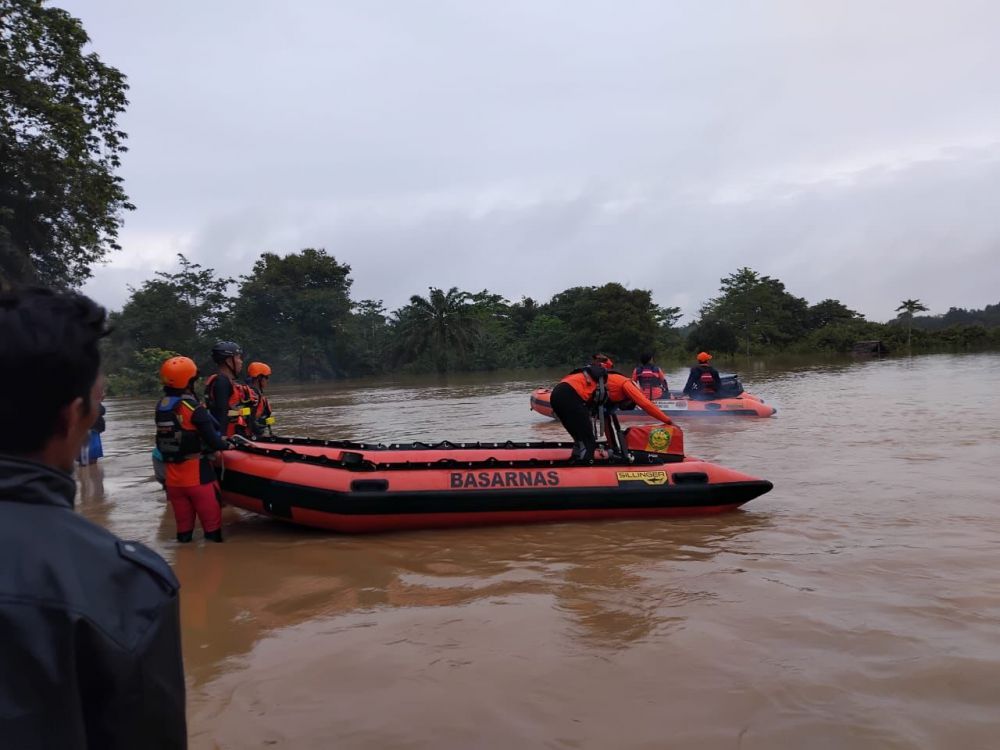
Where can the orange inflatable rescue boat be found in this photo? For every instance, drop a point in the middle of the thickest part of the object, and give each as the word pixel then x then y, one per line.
pixel 733 402
pixel 360 487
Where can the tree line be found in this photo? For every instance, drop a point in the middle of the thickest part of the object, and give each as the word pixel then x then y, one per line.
pixel 61 207
pixel 295 312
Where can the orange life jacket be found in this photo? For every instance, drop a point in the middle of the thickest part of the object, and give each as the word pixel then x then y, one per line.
pixel 242 403
pixel 616 391
pixel 262 416
pixel 650 379
pixel 707 382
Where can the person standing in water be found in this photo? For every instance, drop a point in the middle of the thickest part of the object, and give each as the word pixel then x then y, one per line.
pixel 259 375
pixel 229 400
pixel 185 436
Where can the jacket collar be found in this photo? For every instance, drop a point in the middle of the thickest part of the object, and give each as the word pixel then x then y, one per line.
pixel 27 481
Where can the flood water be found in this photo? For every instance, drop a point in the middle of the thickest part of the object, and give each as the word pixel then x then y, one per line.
pixel 857 605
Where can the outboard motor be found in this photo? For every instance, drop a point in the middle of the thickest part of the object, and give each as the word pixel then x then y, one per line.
pixel 729 386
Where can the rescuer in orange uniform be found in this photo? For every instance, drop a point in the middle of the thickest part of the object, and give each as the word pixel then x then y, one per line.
pixel 262 418
pixel 185 434
pixel 576 396
pixel 230 401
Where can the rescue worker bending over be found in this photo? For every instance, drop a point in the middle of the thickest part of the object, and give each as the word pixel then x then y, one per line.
pixel 650 378
pixel 185 434
pixel 230 401
pixel 703 381
pixel 576 396
pixel 262 418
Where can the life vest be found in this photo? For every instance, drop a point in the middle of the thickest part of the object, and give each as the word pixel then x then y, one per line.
pixel 595 384
pixel 600 395
pixel 262 414
pixel 650 379
pixel 706 382
pixel 177 438
pixel 242 402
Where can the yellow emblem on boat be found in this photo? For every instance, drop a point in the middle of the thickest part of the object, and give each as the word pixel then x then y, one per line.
pixel 659 440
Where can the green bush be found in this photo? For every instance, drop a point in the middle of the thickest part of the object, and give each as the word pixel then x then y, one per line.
pixel 141 376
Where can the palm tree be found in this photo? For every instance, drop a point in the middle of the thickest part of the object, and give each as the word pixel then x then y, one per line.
pixel 442 323
pixel 908 307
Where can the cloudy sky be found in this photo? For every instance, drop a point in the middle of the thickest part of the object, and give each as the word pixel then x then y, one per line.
pixel 850 148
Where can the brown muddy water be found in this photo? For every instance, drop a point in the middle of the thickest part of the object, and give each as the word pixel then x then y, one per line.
pixel 855 606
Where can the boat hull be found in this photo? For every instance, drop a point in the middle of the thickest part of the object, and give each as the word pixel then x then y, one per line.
pixel 351 490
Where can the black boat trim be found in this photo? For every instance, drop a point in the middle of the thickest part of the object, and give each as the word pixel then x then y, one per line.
pixel 283 498
pixel 416 445
pixel 353 461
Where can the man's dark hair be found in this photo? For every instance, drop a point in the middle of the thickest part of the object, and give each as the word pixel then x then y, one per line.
pixel 49 349
pixel 646 358
pixel 597 372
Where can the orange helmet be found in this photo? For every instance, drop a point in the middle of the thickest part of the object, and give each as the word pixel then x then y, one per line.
pixel 177 372
pixel 257 369
pixel 704 357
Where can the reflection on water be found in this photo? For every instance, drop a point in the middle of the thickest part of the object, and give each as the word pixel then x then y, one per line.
pixel 854 606
pixel 276 581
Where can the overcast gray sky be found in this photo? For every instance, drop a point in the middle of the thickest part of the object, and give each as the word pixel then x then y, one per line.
pixel 851 149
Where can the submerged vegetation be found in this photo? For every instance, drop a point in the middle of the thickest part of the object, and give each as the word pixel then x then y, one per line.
pixel 296 313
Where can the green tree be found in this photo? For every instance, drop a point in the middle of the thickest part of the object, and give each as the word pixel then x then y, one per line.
pixel 548 342
pixel 757 309
pixel 840 335
pixel 293 312
pixel 184 311
pixel 521 315
pixel 610 318
pixel 667 316
pixel 829 311
pixel 713 335
pixel 490 347
pixel 140 375
pixel 441 326
pixel 908 307
pixel 668 338
pixel 369 325
pixel 988 317
pixel 60 199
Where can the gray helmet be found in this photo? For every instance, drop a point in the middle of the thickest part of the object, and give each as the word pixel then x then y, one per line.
pixel 223 350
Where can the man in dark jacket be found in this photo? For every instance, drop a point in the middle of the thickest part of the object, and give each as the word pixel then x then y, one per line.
pixel 89 630
pixel 703 381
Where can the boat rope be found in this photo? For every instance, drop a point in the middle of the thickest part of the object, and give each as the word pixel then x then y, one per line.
pixel 352 461
pixel 416 445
